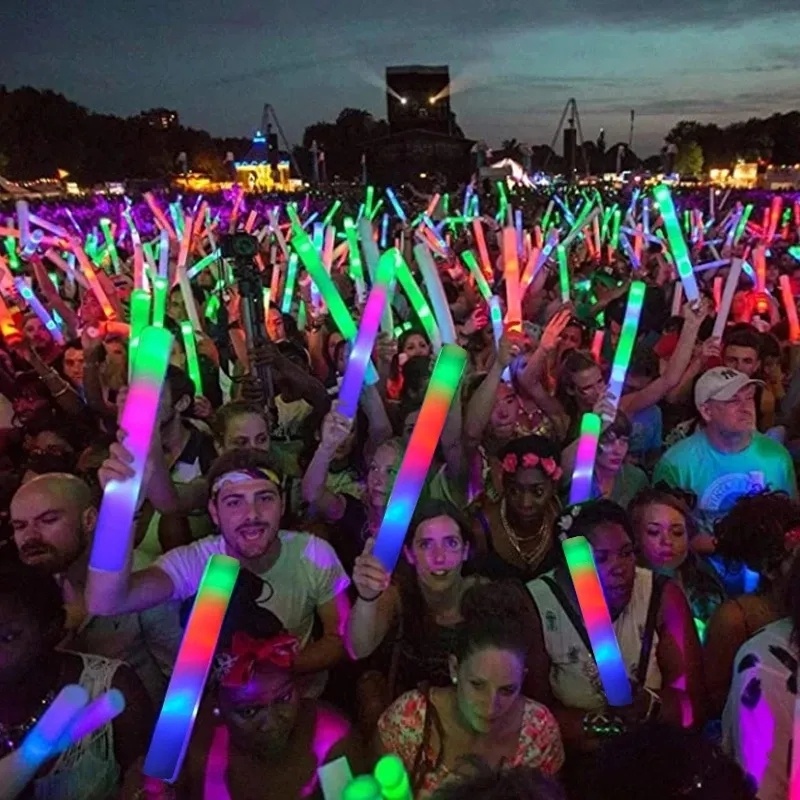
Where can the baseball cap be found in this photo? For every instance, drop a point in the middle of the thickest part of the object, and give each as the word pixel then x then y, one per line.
pixel 721 383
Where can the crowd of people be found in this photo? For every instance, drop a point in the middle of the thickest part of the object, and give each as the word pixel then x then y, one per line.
pixel 471 661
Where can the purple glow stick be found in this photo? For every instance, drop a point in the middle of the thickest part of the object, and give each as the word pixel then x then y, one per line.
pixel 114 529
pixel 361 353
pixel 580 489
pixel 40 744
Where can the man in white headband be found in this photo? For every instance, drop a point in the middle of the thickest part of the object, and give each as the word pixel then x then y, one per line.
pixel 300 573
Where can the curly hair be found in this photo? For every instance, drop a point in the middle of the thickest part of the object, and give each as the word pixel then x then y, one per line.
pixel 481 782
pixel 594 513
pixel 495 615
pixel 752 532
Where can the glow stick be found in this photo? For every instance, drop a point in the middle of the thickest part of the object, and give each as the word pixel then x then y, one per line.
pixel 190 346
pixel 433 283
pixel 677 299
pixel 563 273
pixel 359 359
pixel 627 338
pixel 158 214
pixel 607 655
pixel 94 283
pixel 376 208
pixel 390 772
pixel 200 265
pixel 334 777
pixel 108 235
pixel 398 209
pixel 32 245
pixel 140 318
pixel 740 228
pixel 472 265
pixel 677 243
pixel 288 287
pixel 327 247
pixel 419 304
pixel 12 335
pixel 496 317
pixel 354 259
pixel 56 230
pixel 483 253
pixel 511 272
pixel 441 392
pixel 95 715
pixel 384 230
pixel 591 218
pixel 175 722
pixel 372 256
pixel 597 345
pixel 41 312
pixel 23 222
pixel 580 488
pixel 114 529
pixel 364 787
pixel 434 202
pixel 731 284
pixel 43 741
pixel 160 294
pixel 791 312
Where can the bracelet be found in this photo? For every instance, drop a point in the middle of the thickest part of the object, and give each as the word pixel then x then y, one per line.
pixel 603 724
pixel 368 599
pixel 654 707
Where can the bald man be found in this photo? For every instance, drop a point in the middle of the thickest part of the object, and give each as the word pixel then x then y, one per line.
pixel 53 518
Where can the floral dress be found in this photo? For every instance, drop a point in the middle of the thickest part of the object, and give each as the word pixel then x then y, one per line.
pixel 402 725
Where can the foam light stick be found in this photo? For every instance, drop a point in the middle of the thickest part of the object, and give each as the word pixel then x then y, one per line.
pixel 580 489
pixel 158 215
pixel 594 610
pixel 627 338
pixel 597 345
pixel 200 265
pixel 114 529
pixel 563 273
pixel 441 392
pixel 511 272
pixel 372 256
pixel 677 243
pixel 791 313
pixel 23 222
pixel 175 722
pixel 163 255
pixel 41 312
pixel 677 299
pixel 483 253
pixel 390 772
pixel 398 209
pixel 140 319
pixel 108 235
pixel 384 230
pixel 94 283
pixel 359 359
pixel 468 258
pixel 433 283
pixel 190 346
pixel 496 318
pixel 12 335
pixel 334 777
pixel 160 294
pixel 56 230
pixel 288 287
pixel 731 284
pixel 364 787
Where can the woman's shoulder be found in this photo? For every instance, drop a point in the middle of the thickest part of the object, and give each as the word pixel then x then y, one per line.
pixel 536 717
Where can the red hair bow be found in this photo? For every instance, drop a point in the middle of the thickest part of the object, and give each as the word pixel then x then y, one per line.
pixel 247 652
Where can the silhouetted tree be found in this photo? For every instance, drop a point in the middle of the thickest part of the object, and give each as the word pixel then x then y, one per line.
pixel 690 159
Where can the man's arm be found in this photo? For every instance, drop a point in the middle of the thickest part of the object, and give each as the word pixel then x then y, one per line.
pixel 110 593
pixel 329 649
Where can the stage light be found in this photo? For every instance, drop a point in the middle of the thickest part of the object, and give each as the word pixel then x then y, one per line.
pixel 403 101
pixel 432 100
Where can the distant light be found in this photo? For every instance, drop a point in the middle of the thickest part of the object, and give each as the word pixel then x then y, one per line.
pixel 423 174
pixel 432 100
pixel 404 101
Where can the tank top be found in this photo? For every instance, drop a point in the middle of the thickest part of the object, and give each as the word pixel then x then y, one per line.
pixel 574 679
pixel 88 770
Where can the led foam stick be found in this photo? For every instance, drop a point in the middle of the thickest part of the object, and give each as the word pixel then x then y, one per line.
pixel 677 243
pixel 627 338
pixel 364 787
pixel 398 209
pixel 483 253
pixel 288 287
pixel 597 345
pixel 200 265
pixel 190 346
pixel 12 335
pixel 390 772
pixel 332 212
pixel 740 228
pixel 41 312
pixel 563 273
pixel 472 265
pixel 496 317
pixel 372 256
pixel 580 488
pixel 582 570
pixel 728 292
pixel 441 392
pixel 589 219
pixel 23 222
pixel 140 318
pixel 377 207
pixel 160 294
pixel 384 230
pixel 158 214
pixel 56 230
pixel 114 528
pixel 176 719
pixel 163 255
pixel 511 271
pixel 108 235
pixel 334 778
pixel 94 283
pixel 367 333
pixel 433 283
pixel 43 740
pixel 791 313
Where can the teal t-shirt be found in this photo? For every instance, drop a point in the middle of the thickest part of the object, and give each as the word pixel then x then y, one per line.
pixel 719 479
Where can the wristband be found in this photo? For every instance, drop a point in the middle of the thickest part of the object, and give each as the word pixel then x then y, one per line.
pixel 368 599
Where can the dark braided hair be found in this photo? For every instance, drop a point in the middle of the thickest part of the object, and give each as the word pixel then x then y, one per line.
pixel 481 782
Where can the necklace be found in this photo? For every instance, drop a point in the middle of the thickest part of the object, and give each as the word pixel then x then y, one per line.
pixel 531 557
pixel 11 736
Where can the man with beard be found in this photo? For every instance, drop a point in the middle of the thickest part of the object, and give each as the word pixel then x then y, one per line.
pixel 300 574
pixel 53 519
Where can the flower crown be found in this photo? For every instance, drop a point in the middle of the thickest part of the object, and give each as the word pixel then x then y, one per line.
pixel 511 463
pixel 566 518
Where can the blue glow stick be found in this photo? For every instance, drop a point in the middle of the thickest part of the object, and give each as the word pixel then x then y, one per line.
pixel 398 209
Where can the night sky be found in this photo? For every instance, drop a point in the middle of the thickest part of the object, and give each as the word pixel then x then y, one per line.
pixel 513 67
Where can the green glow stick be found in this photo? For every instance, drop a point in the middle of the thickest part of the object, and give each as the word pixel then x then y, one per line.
pixel 364 787
pixel 331 212
pixel 627 338
pixel 160 294
pixel 368 200
pixel 390 772
pixel 616 223
pixel 354 258
pixel 472 265
pixel 140 319
pixel 741 227
pixel 105 226
pixel 677 243
pixel 288 289
pixel 378 207
pixel 192 362
pixel 418 303
pixel 11 249
pixel 563 272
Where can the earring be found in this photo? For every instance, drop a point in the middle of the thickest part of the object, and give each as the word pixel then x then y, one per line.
pixel 454 678
pixel 215 711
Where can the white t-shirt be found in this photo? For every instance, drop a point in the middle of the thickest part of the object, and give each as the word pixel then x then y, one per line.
pixel 306 575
